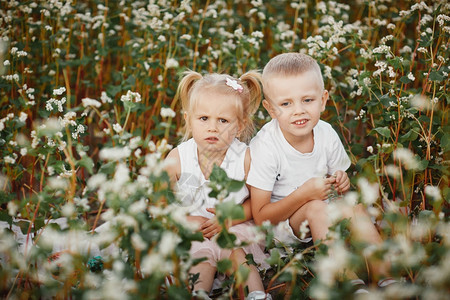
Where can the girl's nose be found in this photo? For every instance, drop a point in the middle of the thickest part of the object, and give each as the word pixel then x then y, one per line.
pixel 212 126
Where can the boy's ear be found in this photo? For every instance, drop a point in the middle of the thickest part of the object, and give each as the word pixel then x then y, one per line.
pixel 325 96
pixel 268 106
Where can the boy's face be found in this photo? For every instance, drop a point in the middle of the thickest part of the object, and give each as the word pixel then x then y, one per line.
pixel 296 102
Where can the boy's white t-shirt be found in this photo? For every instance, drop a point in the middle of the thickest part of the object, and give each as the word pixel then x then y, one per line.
pixel 192 187
pixel 278 167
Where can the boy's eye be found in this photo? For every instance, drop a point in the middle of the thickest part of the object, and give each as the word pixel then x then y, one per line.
pixel 308 100
pixel 223 121
pixel 203 118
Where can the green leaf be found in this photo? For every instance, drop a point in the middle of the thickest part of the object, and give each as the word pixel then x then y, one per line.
pixel 226 239
pixel 423 164
pixel 129 105
pixel 274 257
pixel 229 209
pixel 224 265
pixel 409 136
pixel 86 162
pixel 405 79
pixel 445 142
pixel 436 76
pixel 235 185
pixel 384 131
pixel 178 293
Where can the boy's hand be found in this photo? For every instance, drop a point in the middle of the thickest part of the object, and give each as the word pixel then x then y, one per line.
pixel 342 183
pixel 318 188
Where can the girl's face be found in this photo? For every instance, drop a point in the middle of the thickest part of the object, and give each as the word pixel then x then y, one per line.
pixel 214 121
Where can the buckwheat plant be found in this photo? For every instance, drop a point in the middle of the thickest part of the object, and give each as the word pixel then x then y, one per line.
pixel 88 112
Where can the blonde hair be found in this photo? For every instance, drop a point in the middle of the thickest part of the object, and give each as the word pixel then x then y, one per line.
pixel 193 83
pixel 291 64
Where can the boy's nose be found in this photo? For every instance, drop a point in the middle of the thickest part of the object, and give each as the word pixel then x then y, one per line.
pixel 298 108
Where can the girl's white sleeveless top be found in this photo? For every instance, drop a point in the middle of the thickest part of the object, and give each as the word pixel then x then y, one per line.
pixel 192 187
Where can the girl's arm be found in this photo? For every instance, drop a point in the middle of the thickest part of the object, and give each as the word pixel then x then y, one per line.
pixel 173 166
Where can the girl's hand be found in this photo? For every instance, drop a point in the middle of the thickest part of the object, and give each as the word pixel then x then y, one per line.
pixel 210 228
pixel 318 188
pixel 342 183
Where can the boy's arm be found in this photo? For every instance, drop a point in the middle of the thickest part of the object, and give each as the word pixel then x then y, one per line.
pixel 314 189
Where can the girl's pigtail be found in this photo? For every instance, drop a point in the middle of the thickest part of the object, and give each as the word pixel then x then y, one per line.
pixel 185 86
pixel 252 79
pixel 183 92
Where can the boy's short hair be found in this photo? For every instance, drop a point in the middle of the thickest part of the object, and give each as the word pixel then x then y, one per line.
pixel 292 63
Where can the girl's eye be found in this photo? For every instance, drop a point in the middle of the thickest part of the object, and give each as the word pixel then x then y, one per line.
pixel 285 104
pixel 223 121
pixel 203 118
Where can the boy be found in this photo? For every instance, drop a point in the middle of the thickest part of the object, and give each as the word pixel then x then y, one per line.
pixel 293 153
pixel 296 158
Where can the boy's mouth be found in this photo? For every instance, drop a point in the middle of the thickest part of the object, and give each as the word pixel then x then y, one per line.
pixel 300 122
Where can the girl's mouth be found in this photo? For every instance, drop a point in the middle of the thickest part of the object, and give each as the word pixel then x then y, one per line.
pixel 212 139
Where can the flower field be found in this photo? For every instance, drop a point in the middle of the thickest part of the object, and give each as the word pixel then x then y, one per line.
pixel 88 112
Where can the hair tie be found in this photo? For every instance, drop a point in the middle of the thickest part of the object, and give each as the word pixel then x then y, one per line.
pixel 233 83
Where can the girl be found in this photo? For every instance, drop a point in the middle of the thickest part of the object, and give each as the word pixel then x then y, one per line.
pixel 217 109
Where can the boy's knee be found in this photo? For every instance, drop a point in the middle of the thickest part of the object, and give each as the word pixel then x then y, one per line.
pixel 315 208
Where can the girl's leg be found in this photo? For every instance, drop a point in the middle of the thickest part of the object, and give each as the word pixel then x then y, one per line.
pixel 254 281
pixel 207 273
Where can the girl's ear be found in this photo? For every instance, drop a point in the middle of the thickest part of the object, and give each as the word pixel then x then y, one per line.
pixel 268 106
pixel 325 96
pixel 185 116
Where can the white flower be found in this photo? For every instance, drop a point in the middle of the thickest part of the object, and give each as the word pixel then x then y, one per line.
pixel 137 242
pixel 115 153
pixel 60 91
pixel 406 157
pixel 6 63
pixel 171 63
pixel 9 160
pixel 151 146
pixel 369 191
pixel 117 128
pixel 370 149
pixel 130 96
pixel 23 117
pixel 12 208
pixel 411 76
pixel 90 102
pixel 96 180
pixel 134 142
pixel 105 99
pixel 169 241
pixel 167 112
pixel 57 183
pixel 304 230
pixel 433 192
pixel 68 210
pixel 154 263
